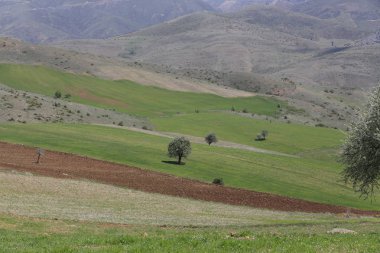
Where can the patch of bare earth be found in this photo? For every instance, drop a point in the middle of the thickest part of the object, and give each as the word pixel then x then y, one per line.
pixel 87 95
pixel 63 165
pixel 146 77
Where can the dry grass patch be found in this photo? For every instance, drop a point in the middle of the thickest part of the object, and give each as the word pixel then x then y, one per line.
pixel 42 197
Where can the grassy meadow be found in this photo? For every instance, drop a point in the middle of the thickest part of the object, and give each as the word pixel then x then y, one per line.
pixel 44 235
pixel 125 96
pixel 305 178
pixel 283 137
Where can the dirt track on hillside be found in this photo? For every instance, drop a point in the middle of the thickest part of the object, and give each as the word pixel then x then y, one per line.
pixel 63 165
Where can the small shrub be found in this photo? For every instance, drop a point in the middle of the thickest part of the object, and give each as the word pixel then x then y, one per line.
pixel 320 125
pixel 211 138
pixel 259 137
pixel 262 136
pixel 218 181
pixel 67 96
pixel 121 123
pixel 57 94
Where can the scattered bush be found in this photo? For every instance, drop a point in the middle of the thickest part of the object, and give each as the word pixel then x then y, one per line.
pixel 262 136
pixel 320 125
pixel 57 94
pixel 211 138
pixel 218 181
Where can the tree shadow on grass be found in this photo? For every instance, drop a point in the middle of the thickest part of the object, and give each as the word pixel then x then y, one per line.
pixel 173 162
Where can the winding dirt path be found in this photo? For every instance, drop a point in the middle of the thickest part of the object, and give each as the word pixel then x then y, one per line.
pixel 64 165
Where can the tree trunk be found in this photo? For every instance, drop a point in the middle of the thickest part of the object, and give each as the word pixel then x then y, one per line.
pixel 179 159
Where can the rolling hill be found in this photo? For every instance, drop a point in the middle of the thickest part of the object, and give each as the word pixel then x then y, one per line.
pixel 17 52
pixel 85 125
pixel 42 21
pixel 320 62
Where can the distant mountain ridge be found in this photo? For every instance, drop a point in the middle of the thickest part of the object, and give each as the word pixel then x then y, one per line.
pixel 52 20
pixel 249 44
pixel 234 5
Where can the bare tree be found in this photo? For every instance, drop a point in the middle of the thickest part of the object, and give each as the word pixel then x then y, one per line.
pixel 40 152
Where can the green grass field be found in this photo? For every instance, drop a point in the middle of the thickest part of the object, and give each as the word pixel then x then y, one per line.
pixel 40 235
pixel 283 137
pixel 305 178
pixel 126 96
pixel 172 111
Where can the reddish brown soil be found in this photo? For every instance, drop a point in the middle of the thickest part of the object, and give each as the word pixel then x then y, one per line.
pixel 63 165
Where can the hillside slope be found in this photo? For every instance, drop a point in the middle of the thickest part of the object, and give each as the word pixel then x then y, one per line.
pixel 17 52
pixel 41 21
pixel 324 64
pixel 260 42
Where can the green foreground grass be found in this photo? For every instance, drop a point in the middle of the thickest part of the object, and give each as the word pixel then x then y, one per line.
pixel 125 96
pixel 305 178
pixel 35 235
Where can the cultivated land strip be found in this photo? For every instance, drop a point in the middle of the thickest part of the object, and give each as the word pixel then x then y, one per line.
pixel 64 165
